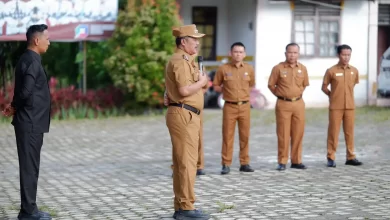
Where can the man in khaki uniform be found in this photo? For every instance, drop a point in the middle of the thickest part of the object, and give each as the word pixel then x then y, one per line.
pixel 235 80
pixel 184 89
pixel 342 78
pixel 287 82
pixel 200 164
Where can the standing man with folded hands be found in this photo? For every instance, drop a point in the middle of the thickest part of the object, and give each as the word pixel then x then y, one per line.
pixel 287 82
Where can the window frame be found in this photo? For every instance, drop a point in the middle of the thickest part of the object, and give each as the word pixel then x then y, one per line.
pixel 316 18
pixel 213 57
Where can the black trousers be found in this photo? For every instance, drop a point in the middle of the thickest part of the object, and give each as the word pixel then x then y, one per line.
pixel 29 153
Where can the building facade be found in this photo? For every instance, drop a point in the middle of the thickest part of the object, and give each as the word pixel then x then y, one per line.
pixel 318 26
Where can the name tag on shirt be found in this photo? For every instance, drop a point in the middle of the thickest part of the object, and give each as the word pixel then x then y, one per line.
pixel 339 74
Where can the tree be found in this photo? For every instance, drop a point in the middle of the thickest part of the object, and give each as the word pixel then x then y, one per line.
pixel 140 47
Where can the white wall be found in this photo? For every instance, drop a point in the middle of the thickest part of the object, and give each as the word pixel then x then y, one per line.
pixel 222 21
pixel 274 23
pixel 372 52
pixel 240 15
pixel 233 18
pixel 355 17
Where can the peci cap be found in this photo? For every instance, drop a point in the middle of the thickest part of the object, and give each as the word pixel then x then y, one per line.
pixel 187 30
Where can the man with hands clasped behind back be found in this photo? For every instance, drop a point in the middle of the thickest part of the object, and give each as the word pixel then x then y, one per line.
pixel 342 78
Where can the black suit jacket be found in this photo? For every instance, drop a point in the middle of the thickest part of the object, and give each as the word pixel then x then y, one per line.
pixel 31 95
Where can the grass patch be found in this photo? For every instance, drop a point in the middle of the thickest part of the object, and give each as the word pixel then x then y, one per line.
pixel 51 211
pixel 14 207
pixel 223 206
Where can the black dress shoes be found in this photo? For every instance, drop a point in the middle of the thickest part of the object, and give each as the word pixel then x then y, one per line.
pixel 225 170
pixel 300 166
pixel 281 167
pixel 353 162
pixel 36 216
pixel 246 168
pixel 191 214
pixel 331 163
pixel 175 214
pixel 200 172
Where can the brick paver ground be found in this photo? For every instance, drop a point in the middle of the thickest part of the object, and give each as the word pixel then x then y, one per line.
pixel 120 169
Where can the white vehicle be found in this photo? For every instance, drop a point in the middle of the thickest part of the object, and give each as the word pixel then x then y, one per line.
pixel 384 75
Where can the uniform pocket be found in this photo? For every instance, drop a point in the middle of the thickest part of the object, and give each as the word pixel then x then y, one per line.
pixel 195 75
pixel 187 116
pixel 283 76
pixel 30 101
pixel 245 82
pixel 299 80
pixel 352 78
pixel 228 80
pixel 338 78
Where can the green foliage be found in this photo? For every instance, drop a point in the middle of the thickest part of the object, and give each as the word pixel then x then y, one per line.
pixel 84 112
pixel 140 48
pixel 58 62
pixel 98 76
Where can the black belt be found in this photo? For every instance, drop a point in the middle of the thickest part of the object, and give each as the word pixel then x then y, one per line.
pixel 290 100
pixel 237 103
pixel 188 107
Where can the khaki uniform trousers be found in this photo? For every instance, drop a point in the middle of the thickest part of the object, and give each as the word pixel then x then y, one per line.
pixel 346 116
pixel 200 164
pixel 231 114
pixel 290 125
pixel 183 126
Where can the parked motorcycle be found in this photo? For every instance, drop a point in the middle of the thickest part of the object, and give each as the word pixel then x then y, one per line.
pixel 256 99
pixel 215 99
pixel 211 96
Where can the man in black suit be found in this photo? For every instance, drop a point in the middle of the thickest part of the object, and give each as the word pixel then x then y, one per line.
pixel 30 108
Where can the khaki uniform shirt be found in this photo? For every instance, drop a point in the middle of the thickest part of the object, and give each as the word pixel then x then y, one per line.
pixel 290 81
pixel 342 82
pixel 181 71
pixel 237 81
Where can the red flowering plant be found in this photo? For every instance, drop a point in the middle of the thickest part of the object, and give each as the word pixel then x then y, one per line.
pixel 6 96
pixel 70 102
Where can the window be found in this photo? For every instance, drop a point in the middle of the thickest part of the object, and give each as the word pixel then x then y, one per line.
pixel 205 19
pixel 383 14
pixel 316 28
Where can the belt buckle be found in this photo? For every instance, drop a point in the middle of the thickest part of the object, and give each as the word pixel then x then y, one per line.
pixel 239 103
pixel 294 99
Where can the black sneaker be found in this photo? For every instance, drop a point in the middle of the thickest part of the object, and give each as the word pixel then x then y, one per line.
pixel 353 162
pixel 246 168
pixel 225 170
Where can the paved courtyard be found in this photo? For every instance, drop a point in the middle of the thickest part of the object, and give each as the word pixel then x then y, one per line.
pixel 120 169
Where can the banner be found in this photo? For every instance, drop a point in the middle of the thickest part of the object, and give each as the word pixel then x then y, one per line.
pixel 68 20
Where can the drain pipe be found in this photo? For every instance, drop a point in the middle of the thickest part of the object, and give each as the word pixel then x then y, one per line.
pixel 368 53
pixel 371 92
